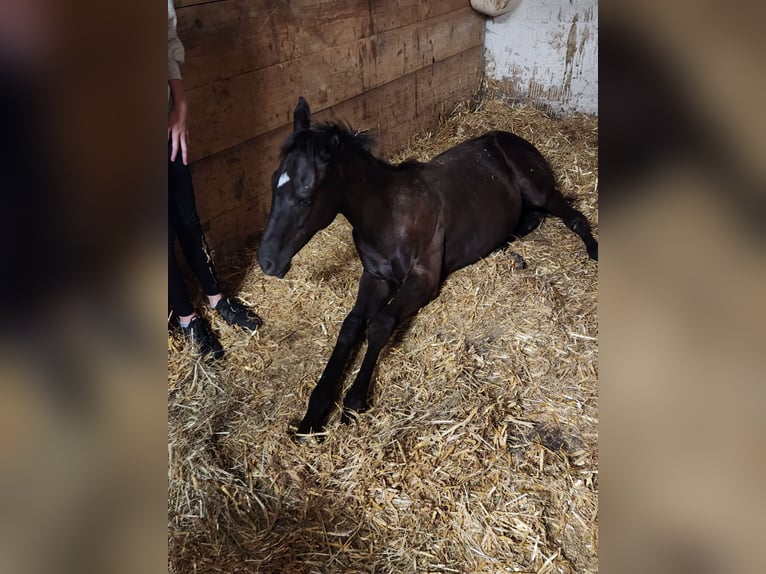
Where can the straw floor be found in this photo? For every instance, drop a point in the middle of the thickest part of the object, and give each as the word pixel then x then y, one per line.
pixel 480 451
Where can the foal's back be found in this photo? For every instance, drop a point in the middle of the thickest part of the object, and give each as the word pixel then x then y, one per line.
pixel 481 185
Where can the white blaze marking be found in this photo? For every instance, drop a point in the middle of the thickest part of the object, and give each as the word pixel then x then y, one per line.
pixel 283 179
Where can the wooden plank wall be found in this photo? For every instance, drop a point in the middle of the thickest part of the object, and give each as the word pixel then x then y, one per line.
pixel 387 65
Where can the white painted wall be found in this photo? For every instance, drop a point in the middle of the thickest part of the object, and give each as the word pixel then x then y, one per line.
pixel 546 51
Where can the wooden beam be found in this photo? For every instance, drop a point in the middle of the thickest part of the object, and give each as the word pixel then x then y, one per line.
pixel 226 38
pixel 180 4
pixel 390 14
pixel 232 37
pixel 232 111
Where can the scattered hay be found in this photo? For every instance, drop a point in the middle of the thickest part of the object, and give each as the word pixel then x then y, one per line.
pixel 480 451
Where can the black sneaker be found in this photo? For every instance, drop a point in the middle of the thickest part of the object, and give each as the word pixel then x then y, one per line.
pixel 199 335
pixel 236 313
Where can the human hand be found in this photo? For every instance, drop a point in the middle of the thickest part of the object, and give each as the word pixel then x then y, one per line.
pixel 178 134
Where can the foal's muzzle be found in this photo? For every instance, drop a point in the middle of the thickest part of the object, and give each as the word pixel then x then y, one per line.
pixel 271 267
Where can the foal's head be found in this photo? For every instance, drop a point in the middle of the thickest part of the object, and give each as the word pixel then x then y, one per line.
pixel 304 190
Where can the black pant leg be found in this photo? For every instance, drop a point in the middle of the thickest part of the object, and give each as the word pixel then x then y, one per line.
pixel 178 298
pixel 187 226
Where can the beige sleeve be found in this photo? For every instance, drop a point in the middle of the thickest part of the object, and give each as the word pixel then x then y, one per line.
pixel 175 48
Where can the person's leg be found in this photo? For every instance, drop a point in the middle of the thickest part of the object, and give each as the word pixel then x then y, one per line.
pixel 178 298
pixel 189 229
pixel 193 327
pixel 192 240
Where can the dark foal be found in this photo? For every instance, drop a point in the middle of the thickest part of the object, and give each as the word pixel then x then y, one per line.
pixel 414 224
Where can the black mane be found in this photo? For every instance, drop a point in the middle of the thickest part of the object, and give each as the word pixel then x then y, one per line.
pixel 332 138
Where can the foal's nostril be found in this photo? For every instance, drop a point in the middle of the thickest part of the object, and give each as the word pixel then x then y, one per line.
pixel 267 265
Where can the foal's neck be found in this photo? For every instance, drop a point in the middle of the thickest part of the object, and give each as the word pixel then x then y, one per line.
pixel 363 181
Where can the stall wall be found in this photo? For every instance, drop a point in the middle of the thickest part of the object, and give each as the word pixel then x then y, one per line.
pixel 387 65
pixel 546 52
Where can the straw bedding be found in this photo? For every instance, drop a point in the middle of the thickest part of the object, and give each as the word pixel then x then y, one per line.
pixel 480 451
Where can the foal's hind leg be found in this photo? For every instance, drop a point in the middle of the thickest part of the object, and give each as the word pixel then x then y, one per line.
pixel 576 221
pixel 554 203
pixel 529 221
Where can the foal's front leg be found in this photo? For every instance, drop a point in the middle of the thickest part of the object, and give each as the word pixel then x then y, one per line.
pixel 418 289
pixel 373 294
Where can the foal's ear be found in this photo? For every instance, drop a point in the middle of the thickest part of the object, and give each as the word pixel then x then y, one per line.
pixel 301 115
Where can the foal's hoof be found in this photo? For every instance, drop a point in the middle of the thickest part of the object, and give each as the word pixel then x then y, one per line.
pixel 520 264
pixel 348 416
pixel 306 432
pixel 301 439
pixel 351 411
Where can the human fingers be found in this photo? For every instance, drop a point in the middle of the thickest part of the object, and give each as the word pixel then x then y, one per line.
pixel 173 145
pixel 184 140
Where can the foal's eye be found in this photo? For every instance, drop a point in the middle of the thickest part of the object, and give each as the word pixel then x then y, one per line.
pixel 304 201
